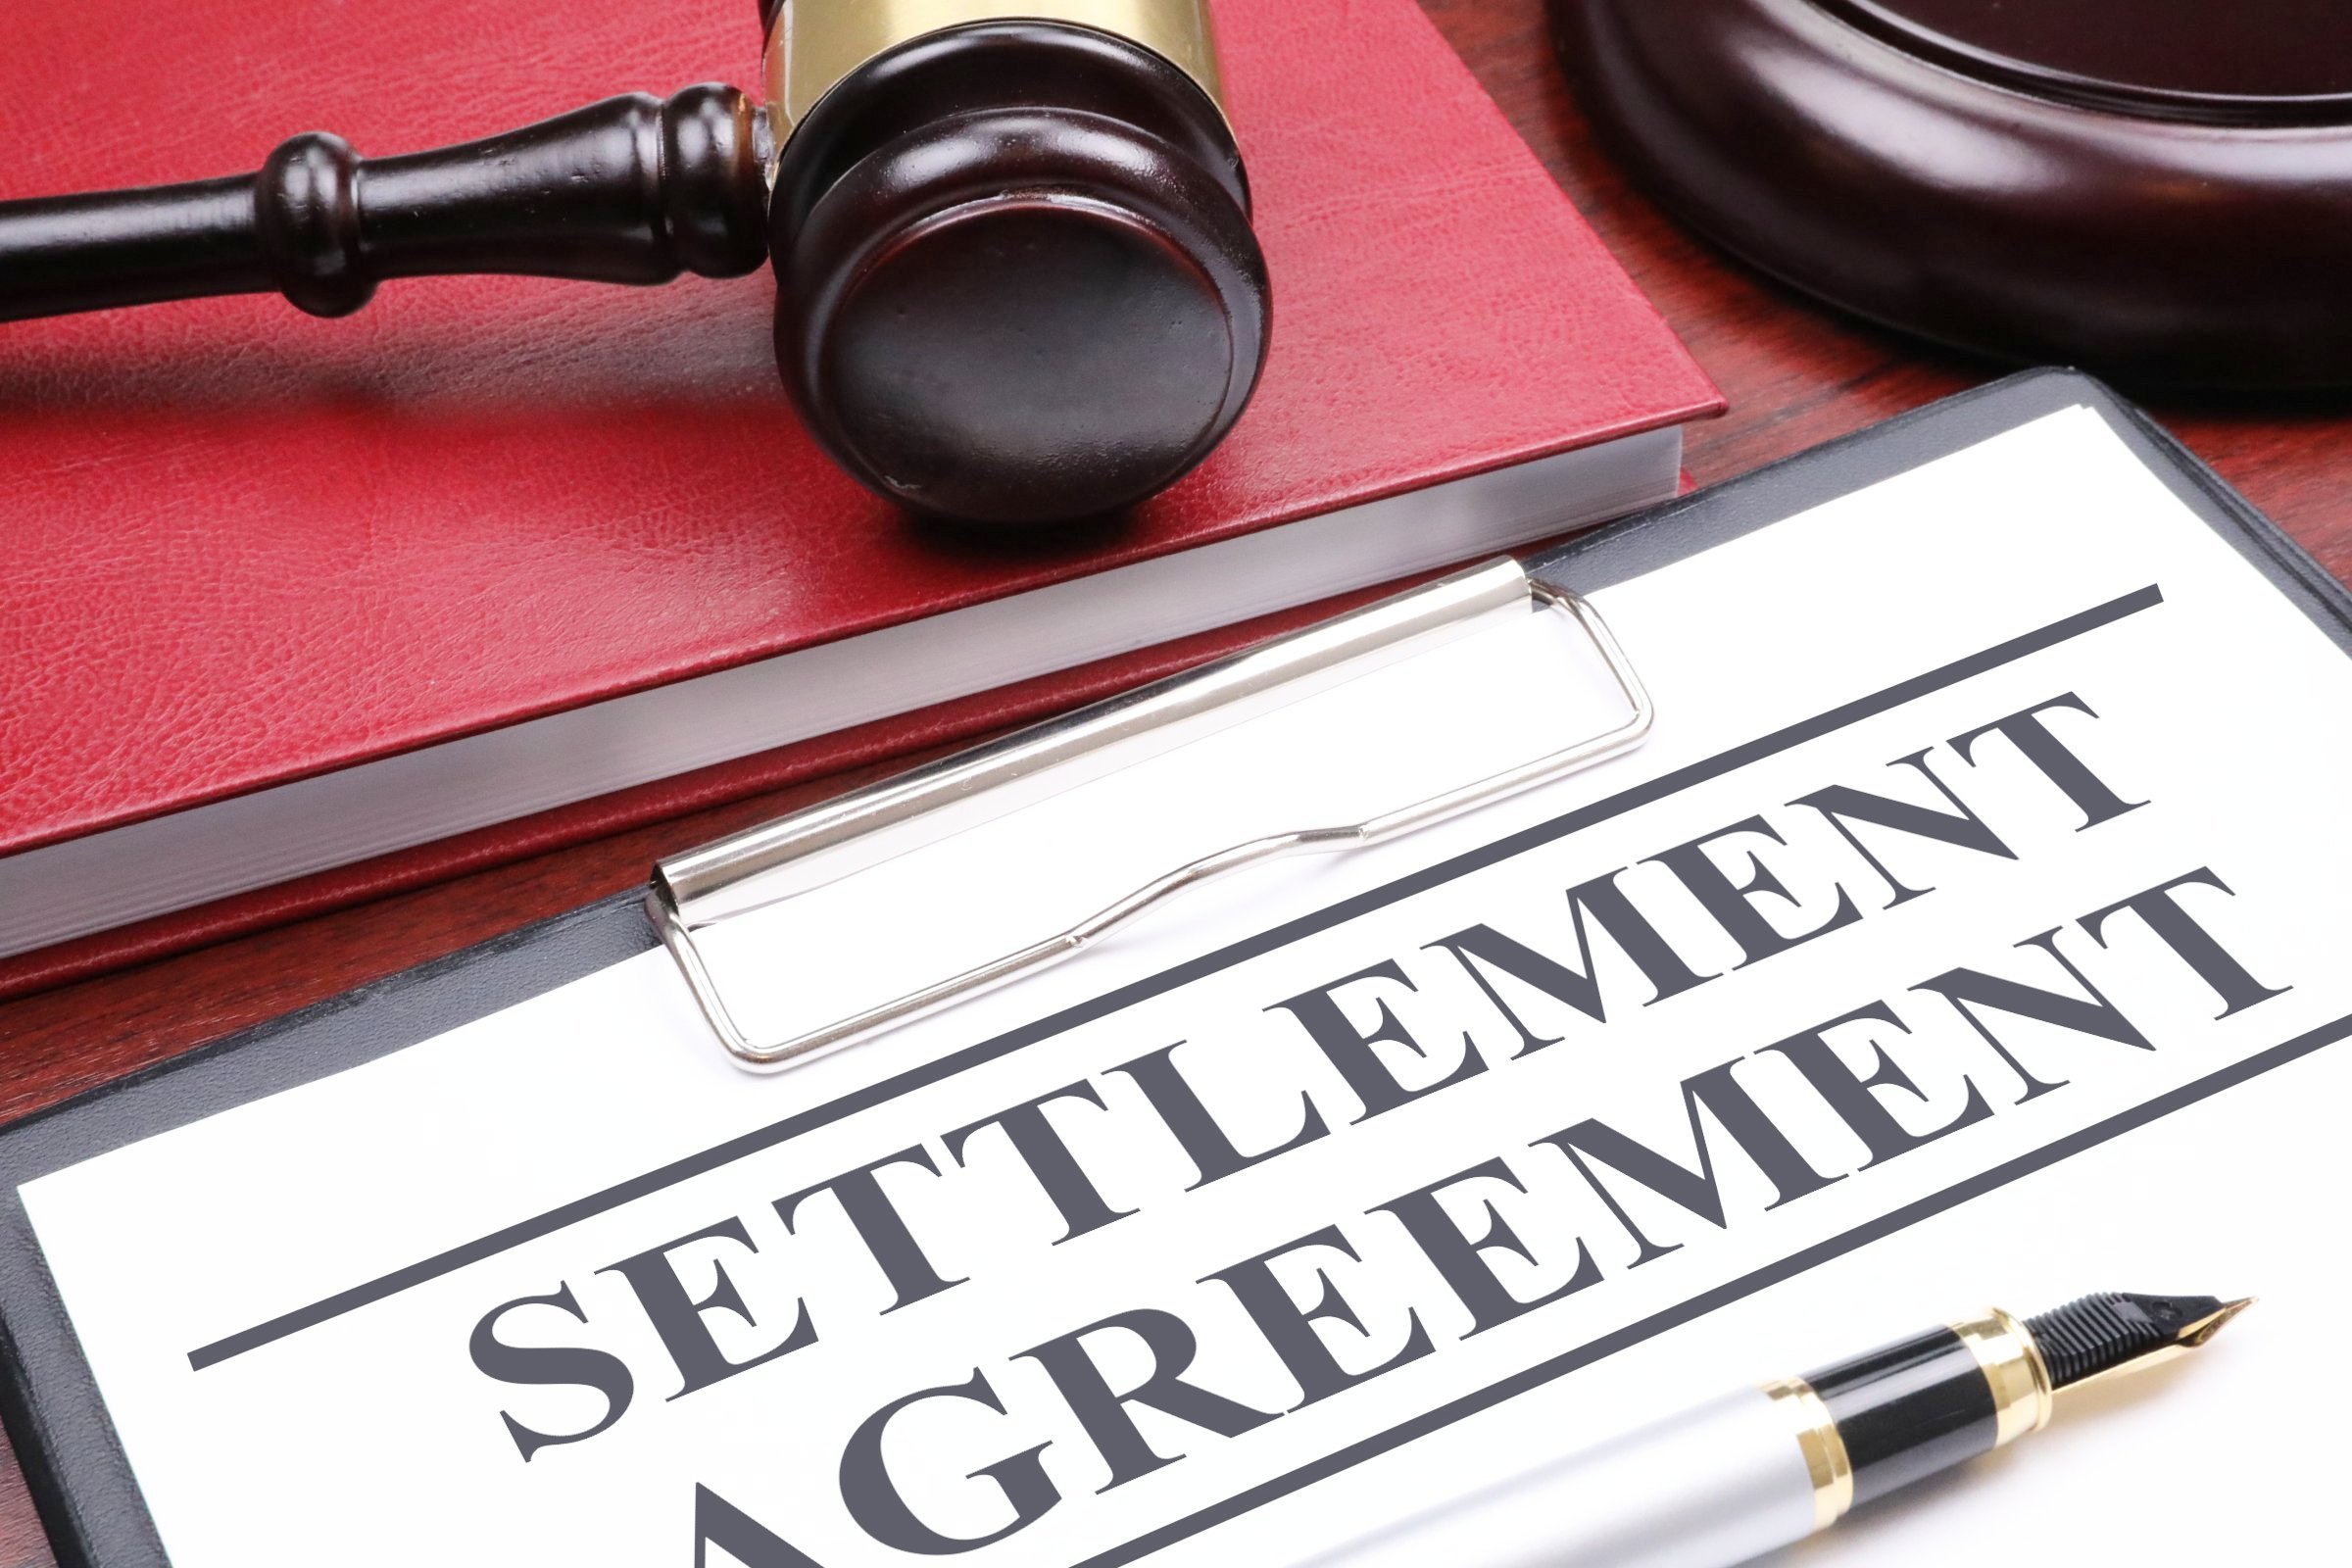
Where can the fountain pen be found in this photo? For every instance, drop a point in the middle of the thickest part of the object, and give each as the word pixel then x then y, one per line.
pixel 1767 1466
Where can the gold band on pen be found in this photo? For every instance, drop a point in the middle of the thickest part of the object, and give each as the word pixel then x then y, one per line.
pixel 2014 1369
pixel 1824 1450
pixel 815 43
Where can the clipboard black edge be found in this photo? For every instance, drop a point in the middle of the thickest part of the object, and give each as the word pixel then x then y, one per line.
pixel 1675 529
pixel 75 1465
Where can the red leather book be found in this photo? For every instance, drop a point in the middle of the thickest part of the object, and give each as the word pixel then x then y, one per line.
pixel 293 612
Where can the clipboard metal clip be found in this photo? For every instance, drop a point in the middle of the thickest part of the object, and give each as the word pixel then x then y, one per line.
pixel 823 843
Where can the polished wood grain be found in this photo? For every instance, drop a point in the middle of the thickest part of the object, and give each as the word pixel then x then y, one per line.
pixel 1796 375
pixel 630 190
pixel 891 246
pixel 1855 146
pixel 1152 287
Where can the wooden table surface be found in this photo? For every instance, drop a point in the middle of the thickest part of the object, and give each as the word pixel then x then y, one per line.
pixel 1795 374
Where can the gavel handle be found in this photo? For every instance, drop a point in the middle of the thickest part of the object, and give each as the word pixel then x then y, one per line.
pixel 630 190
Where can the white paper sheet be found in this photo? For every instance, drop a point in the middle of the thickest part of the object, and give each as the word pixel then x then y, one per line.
pixel 1810 655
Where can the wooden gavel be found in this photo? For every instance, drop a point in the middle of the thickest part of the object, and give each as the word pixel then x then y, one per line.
pixel 1017 282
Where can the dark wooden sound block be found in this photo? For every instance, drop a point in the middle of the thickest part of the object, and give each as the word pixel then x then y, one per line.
pixel 2157 189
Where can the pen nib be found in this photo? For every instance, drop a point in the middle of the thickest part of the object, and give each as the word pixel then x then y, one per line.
pixel 2115 1331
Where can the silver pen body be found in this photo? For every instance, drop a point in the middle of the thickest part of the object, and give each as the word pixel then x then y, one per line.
pixel 1748 1473
pixel 1710 1486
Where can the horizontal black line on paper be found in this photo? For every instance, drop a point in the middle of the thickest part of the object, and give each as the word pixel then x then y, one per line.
pixel 759 1139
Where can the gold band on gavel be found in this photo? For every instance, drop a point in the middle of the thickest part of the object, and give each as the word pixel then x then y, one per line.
pixel 815 43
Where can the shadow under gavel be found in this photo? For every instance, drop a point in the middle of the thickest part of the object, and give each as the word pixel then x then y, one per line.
pixel 1016 279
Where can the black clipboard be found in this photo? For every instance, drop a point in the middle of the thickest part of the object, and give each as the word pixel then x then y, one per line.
pixel 80 1479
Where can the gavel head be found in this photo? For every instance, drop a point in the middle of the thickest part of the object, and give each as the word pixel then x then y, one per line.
pixel 1016 279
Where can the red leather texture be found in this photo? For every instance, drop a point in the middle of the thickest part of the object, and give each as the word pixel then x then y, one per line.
pixel 239 544
pixel 384 876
